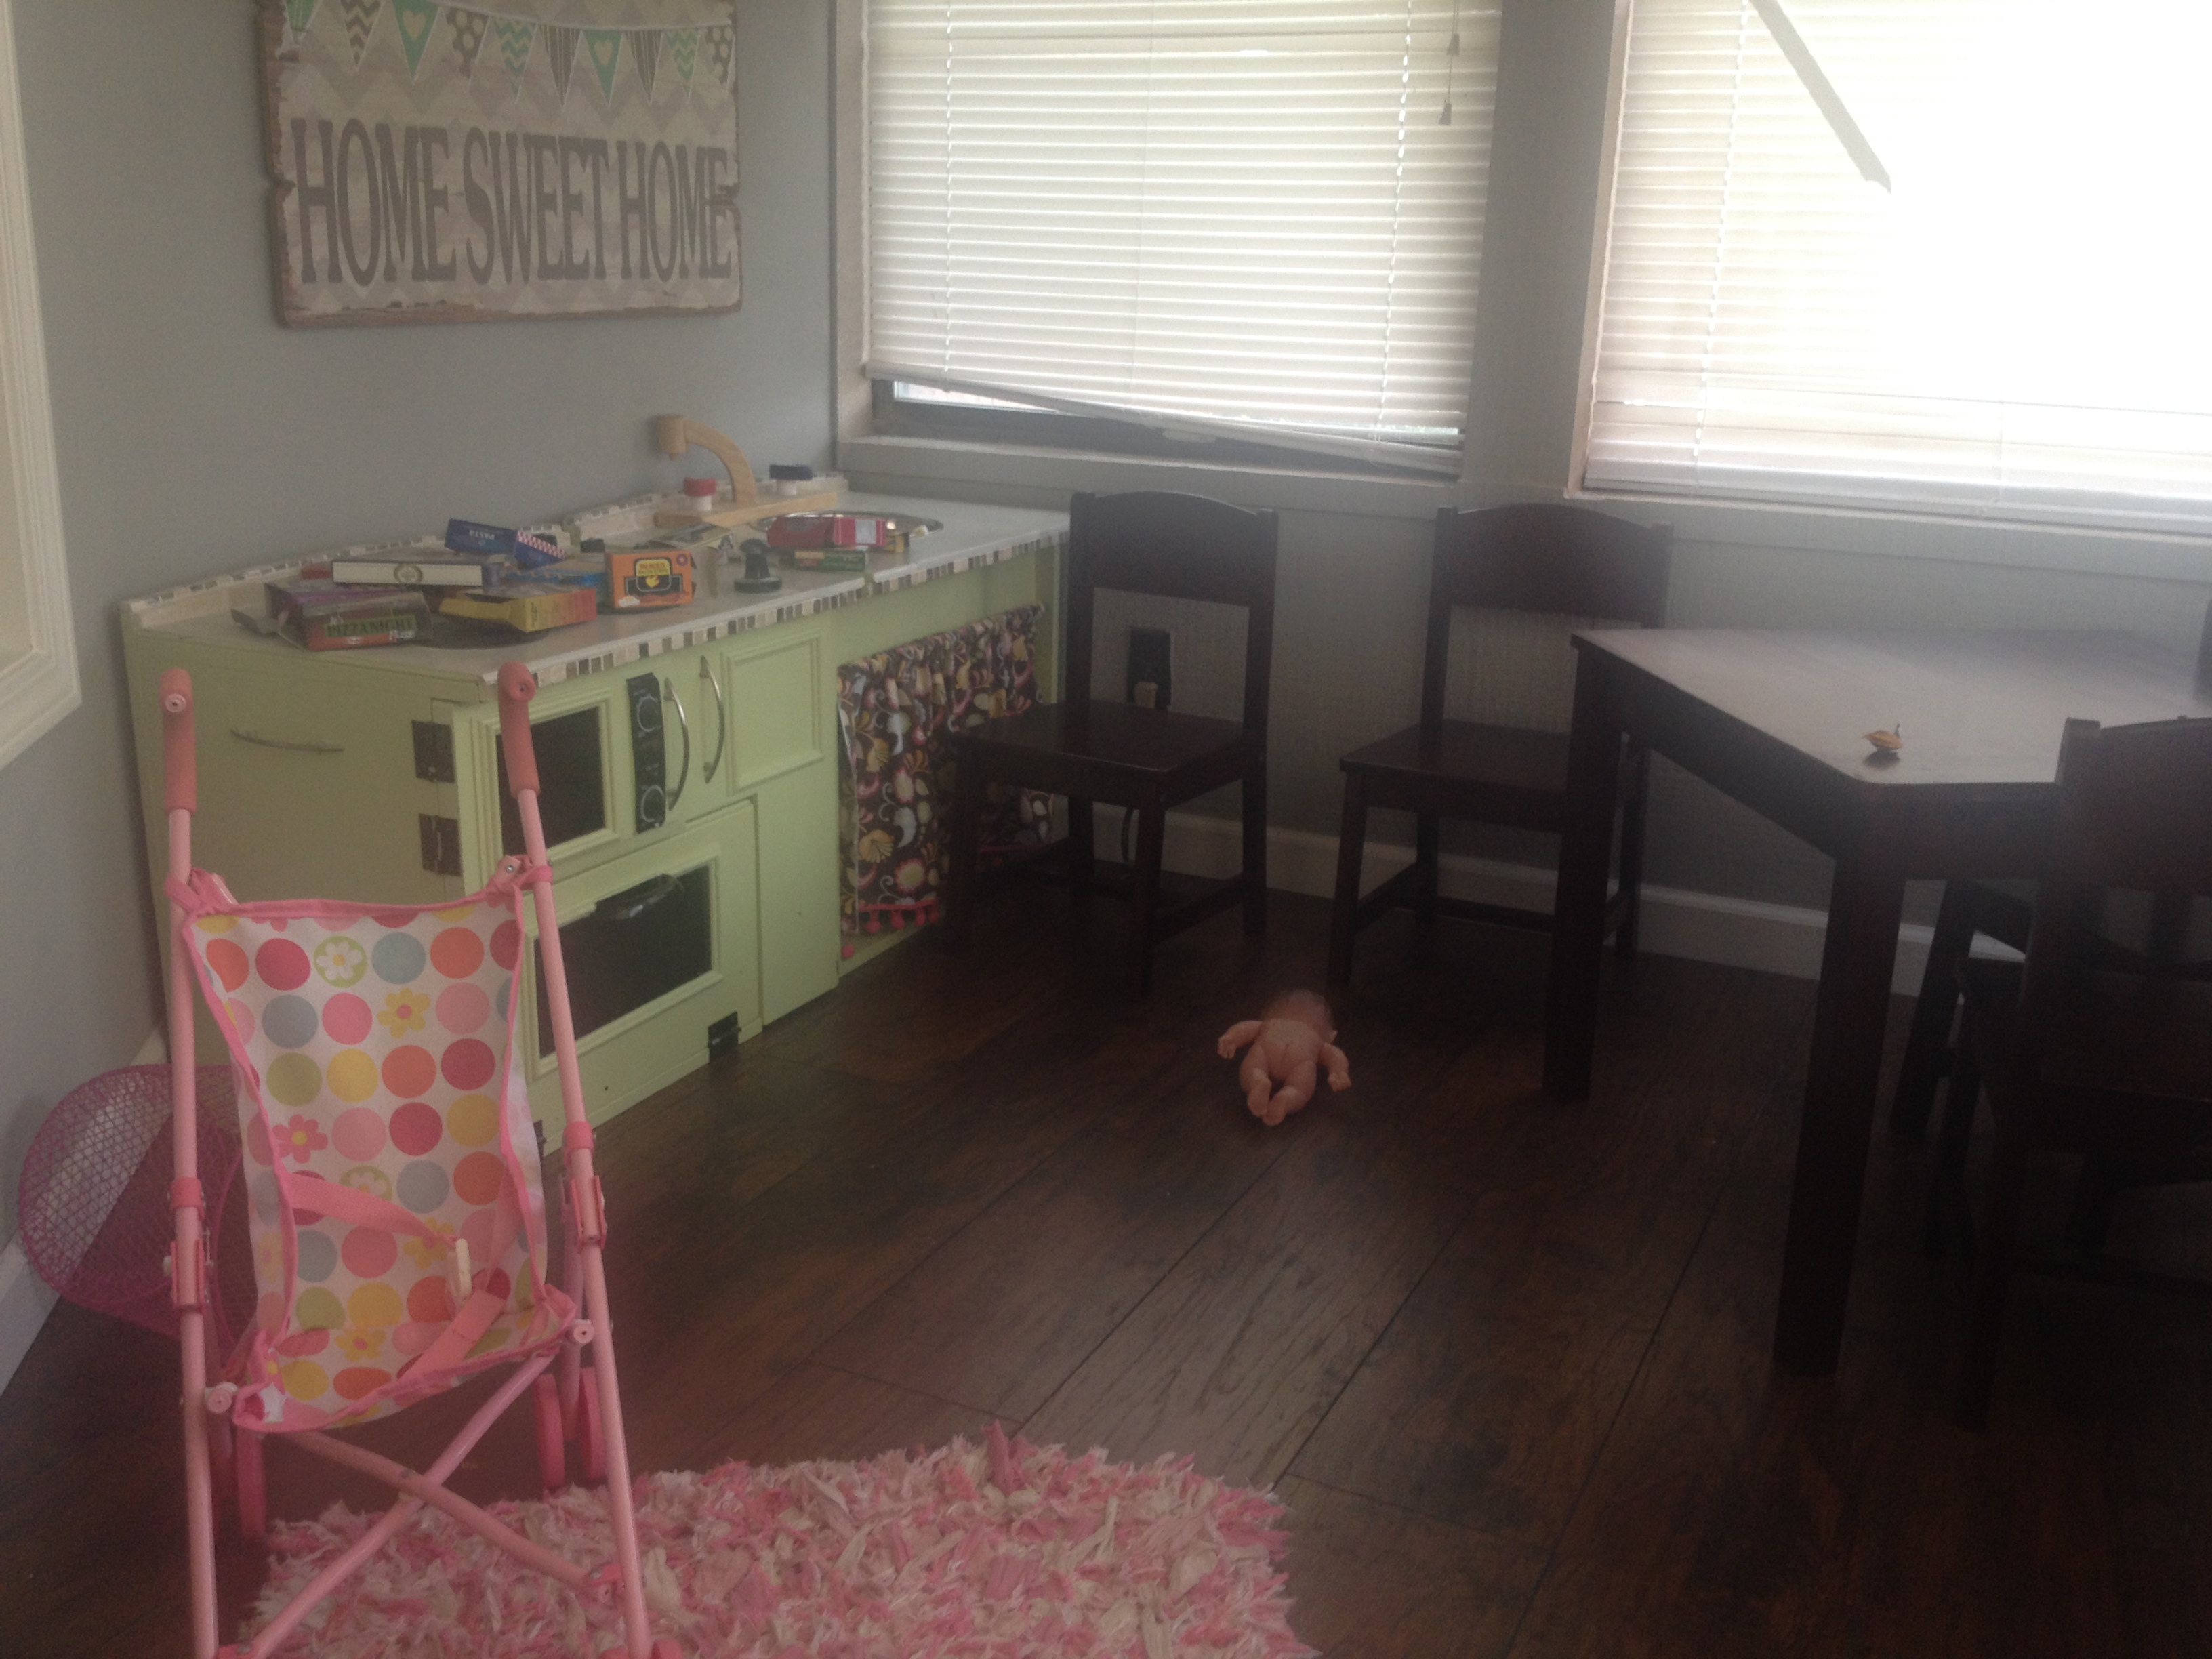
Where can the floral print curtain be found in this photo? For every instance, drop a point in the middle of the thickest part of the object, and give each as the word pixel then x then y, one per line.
pixel 896 710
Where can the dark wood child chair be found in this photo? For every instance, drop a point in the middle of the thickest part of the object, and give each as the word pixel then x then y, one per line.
pixel 1175 546
pixel 1559 560
pixel 2074 1053
pixel 1971 908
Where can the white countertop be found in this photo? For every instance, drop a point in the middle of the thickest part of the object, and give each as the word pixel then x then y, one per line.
pixel 973 535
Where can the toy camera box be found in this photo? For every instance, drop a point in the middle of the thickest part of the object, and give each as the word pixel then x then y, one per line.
pixel 642 576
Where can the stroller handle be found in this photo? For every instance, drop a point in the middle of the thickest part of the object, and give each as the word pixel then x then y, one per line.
pixel 180 787
pixel 517 686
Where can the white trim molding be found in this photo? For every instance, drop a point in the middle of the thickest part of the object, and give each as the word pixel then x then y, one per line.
pixel 38 680
pixel 1736 932
pixel 25 1302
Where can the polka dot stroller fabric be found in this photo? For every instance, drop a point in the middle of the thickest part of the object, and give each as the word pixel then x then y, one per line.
pixel 384 1119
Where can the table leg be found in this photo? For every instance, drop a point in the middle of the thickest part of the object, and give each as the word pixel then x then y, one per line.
pixel 1578 908
pixel 1856 963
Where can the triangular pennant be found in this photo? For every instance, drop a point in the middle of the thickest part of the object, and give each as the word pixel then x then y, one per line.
pixel 416 19
pixel 561 49
pixel 361 17
pixel 515 39
pixel 645 52
pixel 299 13
pixel 468 28
pixel 721 52
pixel 684 52
pixel 604 47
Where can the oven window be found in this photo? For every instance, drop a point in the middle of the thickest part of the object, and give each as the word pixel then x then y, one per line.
pixel 572 795
pixel 636 945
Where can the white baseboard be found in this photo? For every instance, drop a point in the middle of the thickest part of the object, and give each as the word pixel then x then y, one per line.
pixel 1772 939
pixel 24 1301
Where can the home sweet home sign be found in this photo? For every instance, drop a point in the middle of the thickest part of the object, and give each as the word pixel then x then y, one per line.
pixel 436 162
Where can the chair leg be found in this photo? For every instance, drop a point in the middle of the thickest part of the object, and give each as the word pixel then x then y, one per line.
pixel 1993 1266
pixel 2089 1220
pixel 1927 1050
pixel 1428 839
pixel 1351 853
pixel 1632 815
pixel 1151 839
pixel 1947 1186
pixel 1082 846
pixel 961 853
pixel 1255 848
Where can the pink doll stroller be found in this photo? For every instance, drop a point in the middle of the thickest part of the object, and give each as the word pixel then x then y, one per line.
pixel 396 1203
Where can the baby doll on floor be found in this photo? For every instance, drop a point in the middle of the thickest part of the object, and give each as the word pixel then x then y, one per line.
pixel 1292 1041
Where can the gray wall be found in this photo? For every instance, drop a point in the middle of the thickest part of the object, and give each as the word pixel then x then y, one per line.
pixel 196 435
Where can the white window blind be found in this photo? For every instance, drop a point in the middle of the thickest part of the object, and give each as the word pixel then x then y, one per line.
pixel 2017 328
pixel 1232 217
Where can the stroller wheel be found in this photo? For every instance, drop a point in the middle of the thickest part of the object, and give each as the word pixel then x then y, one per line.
pixel 252 1490
pixel 591 1444
pixel 552 1449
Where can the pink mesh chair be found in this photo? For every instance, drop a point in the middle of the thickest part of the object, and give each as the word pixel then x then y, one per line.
pixel 396 1205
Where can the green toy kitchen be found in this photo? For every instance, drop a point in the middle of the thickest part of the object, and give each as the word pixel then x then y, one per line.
pixel 691 754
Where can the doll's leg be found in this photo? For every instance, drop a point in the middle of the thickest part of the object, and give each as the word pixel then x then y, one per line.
pixel 1298 1089
pixel 1256 1084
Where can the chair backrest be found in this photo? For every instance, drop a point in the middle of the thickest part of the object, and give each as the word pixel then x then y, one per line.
pixel 2135 807
pixel 1540 556
pixel 2134 813
pixel 1176 546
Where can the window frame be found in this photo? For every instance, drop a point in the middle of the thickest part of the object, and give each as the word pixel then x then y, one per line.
pixel 943 445
pixel 39 677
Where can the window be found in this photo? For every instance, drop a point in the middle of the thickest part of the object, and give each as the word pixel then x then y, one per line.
pixel 2013 324
pixel 38 652
pixel 1255 220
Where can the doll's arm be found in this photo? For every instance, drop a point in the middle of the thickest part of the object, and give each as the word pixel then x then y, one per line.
pixel 1339 1068
pixel 1236 1037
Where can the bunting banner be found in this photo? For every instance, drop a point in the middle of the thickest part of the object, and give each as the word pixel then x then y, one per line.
pixel 361 17
pixel 415 20
pixel 603 48
pixel 561 52
pixel 515 39
pixel 404 187
pixel 721 45
pixel 468 28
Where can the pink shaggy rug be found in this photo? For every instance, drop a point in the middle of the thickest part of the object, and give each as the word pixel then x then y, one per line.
pixel 981 1551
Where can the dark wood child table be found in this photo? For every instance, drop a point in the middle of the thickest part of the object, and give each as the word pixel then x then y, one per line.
pixel 1776 719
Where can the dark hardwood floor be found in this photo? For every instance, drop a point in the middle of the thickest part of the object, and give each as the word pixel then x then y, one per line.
pixel 1507 1362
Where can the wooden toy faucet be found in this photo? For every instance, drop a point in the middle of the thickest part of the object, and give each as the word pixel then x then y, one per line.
pixel 676 433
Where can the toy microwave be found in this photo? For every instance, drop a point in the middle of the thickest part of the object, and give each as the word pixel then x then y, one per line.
pixel 642 576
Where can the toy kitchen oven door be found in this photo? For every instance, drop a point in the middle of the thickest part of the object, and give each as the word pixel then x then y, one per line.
pixel 655 875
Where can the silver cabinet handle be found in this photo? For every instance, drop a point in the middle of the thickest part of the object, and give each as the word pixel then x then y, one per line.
pixel 721 719
pixel 668 688
pixel 312 746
